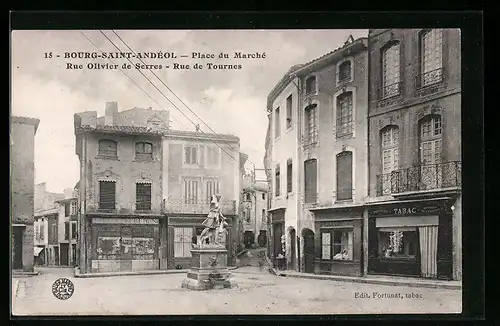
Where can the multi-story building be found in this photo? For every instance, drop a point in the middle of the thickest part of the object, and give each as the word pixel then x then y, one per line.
pixel 333 160
pixel 324 151
pixel 254 211
pixel 120 189
pixel 46 212
pixel 67 228
pixel 414 225
pixel 282 164
pixel 196 166
pixel 22 176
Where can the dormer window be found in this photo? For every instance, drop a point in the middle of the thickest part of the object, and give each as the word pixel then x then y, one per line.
pixel 108 148
pixel 144 151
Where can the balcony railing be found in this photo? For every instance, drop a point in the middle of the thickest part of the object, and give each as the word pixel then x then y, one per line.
pixel 183 205
pixel 429 78
pixel 131 208
pixel 389 91
pixel 420 178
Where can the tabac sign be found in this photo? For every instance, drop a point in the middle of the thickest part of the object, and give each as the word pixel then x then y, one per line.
pixel 407 209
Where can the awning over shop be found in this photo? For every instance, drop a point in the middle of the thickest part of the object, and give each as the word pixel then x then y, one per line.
pixel 38 250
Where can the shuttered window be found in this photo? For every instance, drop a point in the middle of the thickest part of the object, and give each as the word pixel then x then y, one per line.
pixel 107 194
pixel 66 230
pixel 108 148
pixel 191 155
pixel 191 191
pixel 277 181
pixel 143 196
pixel 344 176
pixel 144 151
pixel 212 188
pixel 310 178
pixel 289 176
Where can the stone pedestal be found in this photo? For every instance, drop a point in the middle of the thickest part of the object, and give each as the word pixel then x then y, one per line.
pixel 208 269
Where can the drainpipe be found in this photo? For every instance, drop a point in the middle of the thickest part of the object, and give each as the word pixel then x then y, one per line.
pixel 296 82
pixel 365 211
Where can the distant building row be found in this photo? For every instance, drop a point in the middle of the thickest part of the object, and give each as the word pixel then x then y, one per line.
pixel 363 155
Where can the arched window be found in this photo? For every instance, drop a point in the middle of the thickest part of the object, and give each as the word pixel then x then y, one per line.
pixel 311 85
pixel 144 151
pixel 310 180
pixel 344 114
pixel 390 149
pixel 431 57
pixel 344 176
pixel 107 147
pixel 345 71
pixel 391 70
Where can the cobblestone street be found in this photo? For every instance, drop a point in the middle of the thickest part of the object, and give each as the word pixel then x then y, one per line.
pixel 257 293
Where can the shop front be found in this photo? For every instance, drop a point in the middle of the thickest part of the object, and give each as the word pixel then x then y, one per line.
pixel 183 232
pixel 125 244
pixel 411 238
pixel 339 241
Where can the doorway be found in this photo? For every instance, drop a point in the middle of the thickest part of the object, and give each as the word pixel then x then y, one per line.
pixel 308 236
pixel 277 233
pixel 64 254
pixel 293 249
pixel 249 239
pixel 56 256
pixel 17 247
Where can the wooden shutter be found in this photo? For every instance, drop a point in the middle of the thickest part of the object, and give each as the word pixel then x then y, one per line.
pixel 107 193
pixel 311 175
pixel 289 176
pixel 344 176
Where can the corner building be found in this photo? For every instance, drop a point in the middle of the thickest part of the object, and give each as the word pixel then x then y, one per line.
pixel 414 214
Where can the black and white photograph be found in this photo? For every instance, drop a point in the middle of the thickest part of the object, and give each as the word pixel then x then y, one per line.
pixel 236 172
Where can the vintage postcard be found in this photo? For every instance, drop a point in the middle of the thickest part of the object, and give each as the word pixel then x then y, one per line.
pixel 223 172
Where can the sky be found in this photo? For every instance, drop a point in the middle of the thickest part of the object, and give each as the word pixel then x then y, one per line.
pixel 229 101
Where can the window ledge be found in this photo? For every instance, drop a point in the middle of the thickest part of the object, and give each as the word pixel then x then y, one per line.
pixel 105 157
pixel 190 166
pixel 143 160
pixel 341 83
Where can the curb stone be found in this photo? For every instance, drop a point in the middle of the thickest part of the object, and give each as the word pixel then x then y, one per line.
pixel 375 281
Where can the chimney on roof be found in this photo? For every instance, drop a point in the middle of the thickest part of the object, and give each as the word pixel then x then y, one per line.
pixel 111 110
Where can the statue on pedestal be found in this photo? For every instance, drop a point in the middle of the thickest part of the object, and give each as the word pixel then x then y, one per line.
pixel 215 224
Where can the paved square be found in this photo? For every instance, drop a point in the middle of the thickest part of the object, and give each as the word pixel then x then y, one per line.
pixel 257 293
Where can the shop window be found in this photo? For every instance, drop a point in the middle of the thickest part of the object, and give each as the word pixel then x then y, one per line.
pixel 143 248
pixel 143 196
pixel 182 242
pixel 337 244
pixel 143 151
pixel 395 243
pixel 108 148
pixel 107 194
pixel 108 247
